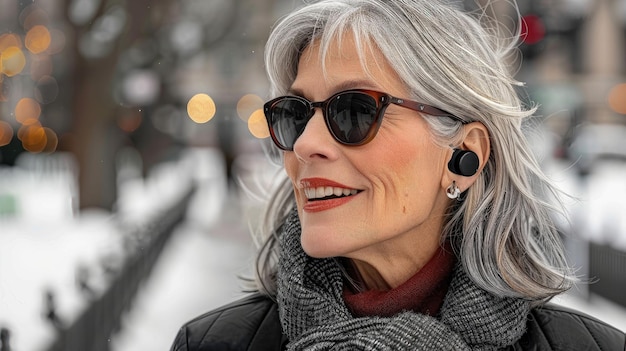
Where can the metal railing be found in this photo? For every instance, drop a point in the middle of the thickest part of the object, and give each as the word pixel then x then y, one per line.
pixel 92 329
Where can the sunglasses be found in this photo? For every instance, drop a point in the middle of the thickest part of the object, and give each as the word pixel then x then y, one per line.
pixel 352 117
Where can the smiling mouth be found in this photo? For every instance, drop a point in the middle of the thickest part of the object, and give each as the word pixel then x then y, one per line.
pixel 328 193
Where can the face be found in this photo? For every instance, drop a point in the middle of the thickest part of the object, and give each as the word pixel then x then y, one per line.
pixel 394 184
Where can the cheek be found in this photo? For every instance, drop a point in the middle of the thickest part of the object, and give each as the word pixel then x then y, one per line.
pixel 398 164
pixel 290 164
pixel 408 175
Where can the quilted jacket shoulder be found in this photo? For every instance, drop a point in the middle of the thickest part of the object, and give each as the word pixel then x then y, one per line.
pixel 252 324
pixel 554 327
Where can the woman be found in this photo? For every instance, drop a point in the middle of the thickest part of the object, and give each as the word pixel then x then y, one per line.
pixel 414 214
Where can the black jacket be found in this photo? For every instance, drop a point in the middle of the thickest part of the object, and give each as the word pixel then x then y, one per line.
pixel 252 324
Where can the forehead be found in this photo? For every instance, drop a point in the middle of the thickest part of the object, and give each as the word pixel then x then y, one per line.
pixel 332 64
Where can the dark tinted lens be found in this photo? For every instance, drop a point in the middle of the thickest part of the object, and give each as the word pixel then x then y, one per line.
pixel 289 118
pixel 352 116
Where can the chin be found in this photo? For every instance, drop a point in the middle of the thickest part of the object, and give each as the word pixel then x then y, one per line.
pixel 315 250
pixel 320 246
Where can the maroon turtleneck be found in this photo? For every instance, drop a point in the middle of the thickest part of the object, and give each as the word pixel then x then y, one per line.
pixel 422 293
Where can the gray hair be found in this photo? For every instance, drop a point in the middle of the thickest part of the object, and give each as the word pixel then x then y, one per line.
pixel 503 231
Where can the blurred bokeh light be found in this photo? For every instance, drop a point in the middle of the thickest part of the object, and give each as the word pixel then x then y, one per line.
pixel 201 108
pixel 258 125
pixel 13 61
pixel 37 39
pixel 617 98
pixel 247 105
pixel 27 111
pixel 6 133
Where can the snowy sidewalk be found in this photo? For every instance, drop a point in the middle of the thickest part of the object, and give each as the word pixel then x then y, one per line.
pixel 197 272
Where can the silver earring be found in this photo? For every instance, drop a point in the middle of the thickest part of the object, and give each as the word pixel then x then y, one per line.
pixel 453 191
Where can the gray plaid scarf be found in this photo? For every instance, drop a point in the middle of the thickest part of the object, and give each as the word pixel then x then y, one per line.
pixel 315 317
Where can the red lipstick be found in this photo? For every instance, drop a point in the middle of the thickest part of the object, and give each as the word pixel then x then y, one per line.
pixel 317 182
pixel 319 205
pixel 323 205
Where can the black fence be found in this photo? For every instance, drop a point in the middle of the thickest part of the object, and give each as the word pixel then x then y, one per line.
pixel 607 271
pixel 92 330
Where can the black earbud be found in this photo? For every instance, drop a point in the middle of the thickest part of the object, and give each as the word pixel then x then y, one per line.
pixel 463 162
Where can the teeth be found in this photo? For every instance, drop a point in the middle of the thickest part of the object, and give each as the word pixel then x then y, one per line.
pixel 328 191
pixel 320 192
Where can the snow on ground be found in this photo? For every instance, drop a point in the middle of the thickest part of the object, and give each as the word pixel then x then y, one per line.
pixel 198 271
pixel 36 257
pixel 45 245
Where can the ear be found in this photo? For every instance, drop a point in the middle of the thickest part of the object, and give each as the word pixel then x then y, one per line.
pixel 476 139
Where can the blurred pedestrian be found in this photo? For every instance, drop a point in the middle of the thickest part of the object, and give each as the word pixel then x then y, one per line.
pixel 414 216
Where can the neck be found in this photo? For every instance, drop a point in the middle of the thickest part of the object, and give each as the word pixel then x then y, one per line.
pixel 386 271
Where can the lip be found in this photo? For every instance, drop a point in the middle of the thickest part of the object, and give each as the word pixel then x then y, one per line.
pixel 324 205
pixel 317 182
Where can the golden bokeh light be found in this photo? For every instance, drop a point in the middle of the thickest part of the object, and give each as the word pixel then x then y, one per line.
pixel 247 105
pixel 201 108
pixel 24 128
pixel 617 98
pixel 257 125
pixel 52 141
pixel 27 111
pixel 37 39
pixel 13 61
pixel 6 133
pixel 34 138
pixel 3 97
pixel 8 40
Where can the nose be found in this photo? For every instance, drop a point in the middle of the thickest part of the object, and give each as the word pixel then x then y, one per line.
pixel 316 142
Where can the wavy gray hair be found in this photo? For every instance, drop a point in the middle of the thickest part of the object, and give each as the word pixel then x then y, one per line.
pixel 503 231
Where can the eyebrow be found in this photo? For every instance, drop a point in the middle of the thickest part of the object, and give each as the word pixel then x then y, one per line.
pixel 345 85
